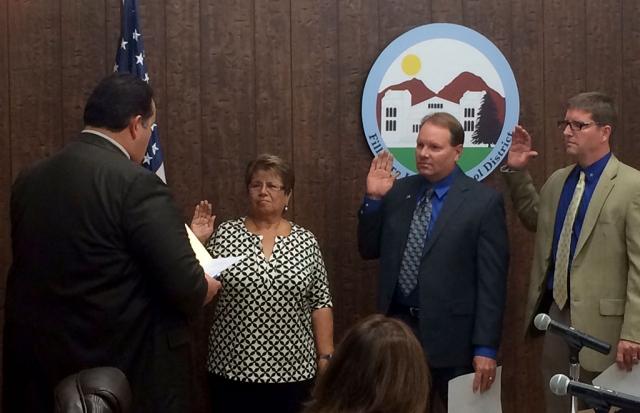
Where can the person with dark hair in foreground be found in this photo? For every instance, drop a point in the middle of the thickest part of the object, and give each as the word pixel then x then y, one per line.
pixel 103 274
pixel 379 367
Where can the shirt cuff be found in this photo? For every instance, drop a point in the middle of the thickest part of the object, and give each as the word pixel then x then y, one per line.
pixel 370 205
pixel 488 352
pixel 505 169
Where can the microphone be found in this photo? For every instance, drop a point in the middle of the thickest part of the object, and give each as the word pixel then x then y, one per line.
pixel 562 385
pixel 544 322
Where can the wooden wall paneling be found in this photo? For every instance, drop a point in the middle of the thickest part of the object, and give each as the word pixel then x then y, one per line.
pixel 182 136
pixel 564 71
pixel 604 57
pixel 399 16
pixel 447 11
pixel 273 77
pixel 36 81
pixel 5 164
pixel 228 102
pixel 629 147
pixel 356 291
pixel 316 121
pixel 183 133
pixel 153 24
pixel 273 91
pixel 113 19
pixel 521 358
pixel 83 39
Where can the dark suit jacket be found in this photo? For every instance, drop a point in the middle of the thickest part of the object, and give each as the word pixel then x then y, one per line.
pixel 102 275
pixel 463 273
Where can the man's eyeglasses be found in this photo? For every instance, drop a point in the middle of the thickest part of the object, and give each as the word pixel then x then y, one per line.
pixel 574 125
pixel 271 187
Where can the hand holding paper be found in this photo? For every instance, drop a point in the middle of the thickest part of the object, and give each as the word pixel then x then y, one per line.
pixel 462 398
pixel 212 266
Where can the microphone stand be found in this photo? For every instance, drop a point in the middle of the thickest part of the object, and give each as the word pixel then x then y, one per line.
pixel 574 369
pixel 599 406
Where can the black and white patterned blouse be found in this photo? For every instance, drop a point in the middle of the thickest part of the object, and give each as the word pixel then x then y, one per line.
pixel 262 330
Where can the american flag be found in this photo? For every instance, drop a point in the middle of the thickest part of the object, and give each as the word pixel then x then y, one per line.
pixel 130 59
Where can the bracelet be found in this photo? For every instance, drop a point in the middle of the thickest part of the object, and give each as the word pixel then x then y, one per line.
pixel 324 356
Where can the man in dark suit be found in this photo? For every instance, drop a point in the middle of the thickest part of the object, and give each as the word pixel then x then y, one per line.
pixel 103 273
pixel 442 241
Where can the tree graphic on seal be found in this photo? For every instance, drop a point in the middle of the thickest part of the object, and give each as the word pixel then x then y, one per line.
pixel 489 126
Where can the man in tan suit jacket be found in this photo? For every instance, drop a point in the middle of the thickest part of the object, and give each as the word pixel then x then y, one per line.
pixel 599 294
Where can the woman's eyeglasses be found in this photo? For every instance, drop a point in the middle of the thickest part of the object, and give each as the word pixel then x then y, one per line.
pixel 271 187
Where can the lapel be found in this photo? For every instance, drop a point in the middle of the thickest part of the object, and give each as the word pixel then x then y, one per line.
pixel 455 198
pixel 406 206
pixel 602 191
pixel 556 192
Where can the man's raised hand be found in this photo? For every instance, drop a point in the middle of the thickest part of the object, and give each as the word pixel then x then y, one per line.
pixel 520 151
pixel 380 179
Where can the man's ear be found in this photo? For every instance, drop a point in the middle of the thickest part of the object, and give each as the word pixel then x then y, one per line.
pixel 134 123
pixel 606 132
pixel 458 149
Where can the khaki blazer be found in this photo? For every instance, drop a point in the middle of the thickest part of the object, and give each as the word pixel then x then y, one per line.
pixel 605 272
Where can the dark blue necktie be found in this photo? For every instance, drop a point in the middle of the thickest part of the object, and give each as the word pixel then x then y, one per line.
pixel 410 267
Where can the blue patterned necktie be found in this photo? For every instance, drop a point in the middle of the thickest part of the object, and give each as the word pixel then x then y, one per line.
pixel 410 267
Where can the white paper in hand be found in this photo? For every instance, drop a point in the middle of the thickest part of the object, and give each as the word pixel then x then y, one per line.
pixel 217 265
pixel 201 252
pixel 620 380
pixel 462 399
pixel 212 266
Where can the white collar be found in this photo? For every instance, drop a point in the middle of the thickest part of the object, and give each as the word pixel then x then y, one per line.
pixel 102 135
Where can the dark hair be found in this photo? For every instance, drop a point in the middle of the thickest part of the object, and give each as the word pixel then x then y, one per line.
pixel 602 108
pixel 272 163
pixel 447 121
pixel 378 367
pixel 118 98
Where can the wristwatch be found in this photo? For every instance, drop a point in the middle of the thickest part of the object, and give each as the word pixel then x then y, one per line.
pixel 324 356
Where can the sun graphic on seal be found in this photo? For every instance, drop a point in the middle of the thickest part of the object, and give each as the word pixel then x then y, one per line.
pixel 411 65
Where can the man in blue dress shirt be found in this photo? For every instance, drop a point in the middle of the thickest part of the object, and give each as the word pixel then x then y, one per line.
pixel 442 241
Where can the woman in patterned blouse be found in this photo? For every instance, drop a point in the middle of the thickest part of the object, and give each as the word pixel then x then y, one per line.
pixel 273 326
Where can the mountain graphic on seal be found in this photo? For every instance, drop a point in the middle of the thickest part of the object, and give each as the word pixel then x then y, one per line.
pixel 465 81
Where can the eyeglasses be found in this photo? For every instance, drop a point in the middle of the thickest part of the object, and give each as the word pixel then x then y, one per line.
pixel 272 188
pixel 574 125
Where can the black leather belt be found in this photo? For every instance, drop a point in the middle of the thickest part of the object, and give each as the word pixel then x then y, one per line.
pixel 399 309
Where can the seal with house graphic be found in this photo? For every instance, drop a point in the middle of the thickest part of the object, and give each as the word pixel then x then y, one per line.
pixel 441 68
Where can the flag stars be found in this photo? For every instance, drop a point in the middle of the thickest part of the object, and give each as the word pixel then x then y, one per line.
pixel 147 159
pixel 153 128
pixel 154 147
pixel 140 59
pixel 136 35
pixel 123 45
pixel 146 77
pixel 115 68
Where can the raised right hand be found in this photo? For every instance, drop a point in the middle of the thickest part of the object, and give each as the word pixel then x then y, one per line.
pixel 380 180
pixel 520 151
pixel 202 221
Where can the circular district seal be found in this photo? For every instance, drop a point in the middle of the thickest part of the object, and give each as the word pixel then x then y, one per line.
pixel 441 68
